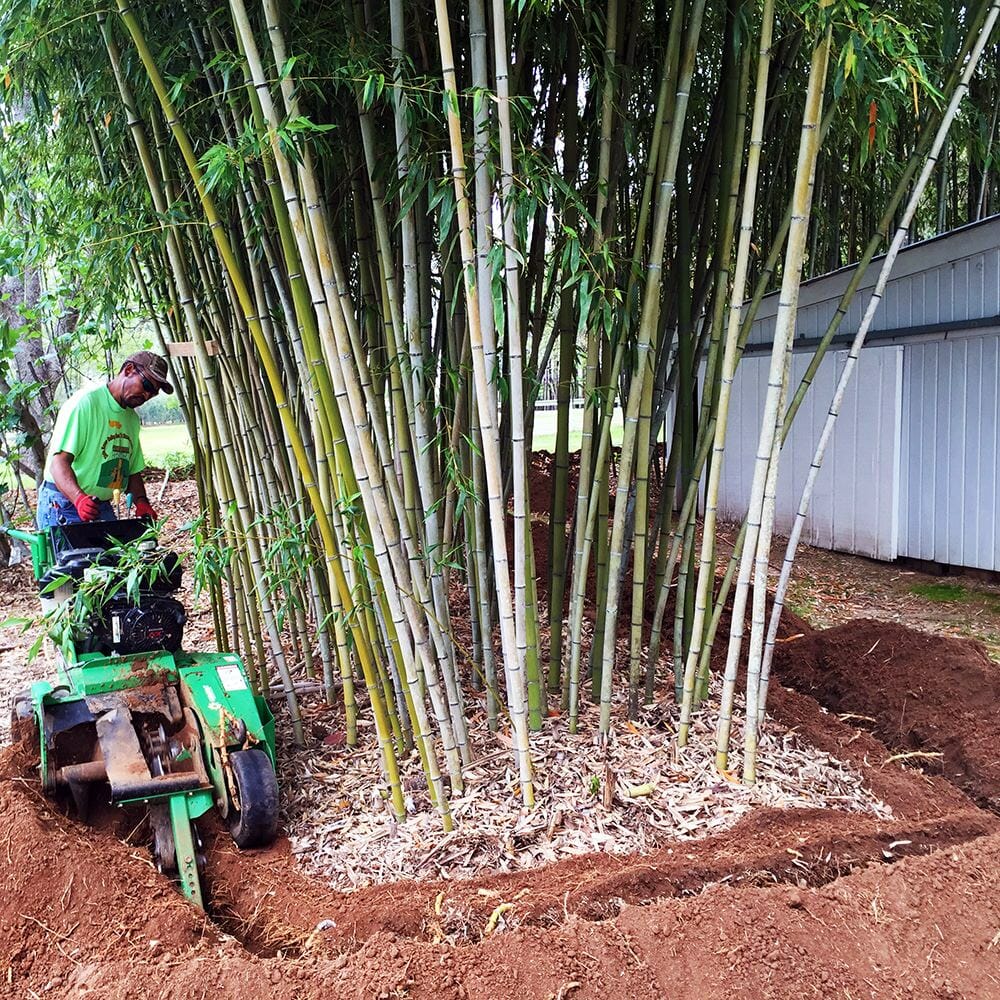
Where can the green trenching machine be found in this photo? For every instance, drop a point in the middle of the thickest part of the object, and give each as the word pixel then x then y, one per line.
pixel 130 714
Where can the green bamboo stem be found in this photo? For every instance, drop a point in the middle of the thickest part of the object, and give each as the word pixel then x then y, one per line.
pixel 706 570
pixel 337 329
pixel 760 511
pixel 513 666
pixel 644 357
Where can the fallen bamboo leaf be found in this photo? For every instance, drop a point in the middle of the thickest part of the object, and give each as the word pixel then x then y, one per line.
pixel 363 845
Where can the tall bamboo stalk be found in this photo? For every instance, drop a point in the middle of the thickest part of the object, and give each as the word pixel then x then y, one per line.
pixel 875 299
pixel 513 666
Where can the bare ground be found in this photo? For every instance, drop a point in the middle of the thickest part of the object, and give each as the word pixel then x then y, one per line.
pixel 790 903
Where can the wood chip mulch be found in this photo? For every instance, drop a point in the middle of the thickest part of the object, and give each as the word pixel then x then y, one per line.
pixel 636 794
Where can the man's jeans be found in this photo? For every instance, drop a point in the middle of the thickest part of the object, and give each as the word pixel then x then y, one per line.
pixel 54 508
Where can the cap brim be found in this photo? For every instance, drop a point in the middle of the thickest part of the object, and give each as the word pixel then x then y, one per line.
pixel 161 383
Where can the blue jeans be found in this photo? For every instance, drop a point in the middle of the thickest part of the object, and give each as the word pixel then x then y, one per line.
pixel 54 508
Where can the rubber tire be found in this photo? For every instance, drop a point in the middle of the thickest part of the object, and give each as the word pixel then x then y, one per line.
pixel 255 823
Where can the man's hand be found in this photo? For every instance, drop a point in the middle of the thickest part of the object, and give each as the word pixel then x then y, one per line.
pixel 143 508
pixel 87 507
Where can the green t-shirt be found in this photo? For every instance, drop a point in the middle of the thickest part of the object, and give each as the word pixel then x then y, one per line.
pixel 103 439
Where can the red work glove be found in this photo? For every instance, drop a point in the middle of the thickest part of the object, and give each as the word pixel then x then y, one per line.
pixel 143 508
pixel 87 507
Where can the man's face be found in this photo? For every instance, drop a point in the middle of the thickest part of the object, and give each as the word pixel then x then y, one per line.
pixel 139 387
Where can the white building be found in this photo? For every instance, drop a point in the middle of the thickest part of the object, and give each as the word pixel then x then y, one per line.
pixel 914 465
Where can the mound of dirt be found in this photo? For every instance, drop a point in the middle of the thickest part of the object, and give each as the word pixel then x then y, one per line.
pixel 84 914
pixel 919 692
pixel 787 903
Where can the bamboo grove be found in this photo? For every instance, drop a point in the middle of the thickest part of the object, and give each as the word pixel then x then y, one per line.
pixel 375 234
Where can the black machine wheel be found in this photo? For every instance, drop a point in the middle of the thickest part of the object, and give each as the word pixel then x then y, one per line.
pixel 253 821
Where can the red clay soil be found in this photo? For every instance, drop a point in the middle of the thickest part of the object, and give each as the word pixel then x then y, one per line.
pixel 787 904
pixel 84 914
pixel 925 693
pixel 269 901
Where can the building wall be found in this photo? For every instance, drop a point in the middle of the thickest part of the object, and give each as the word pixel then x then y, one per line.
pixel 950 497
pixel 913 468
pixel 951 279
pixel 856 500
pixel 914 465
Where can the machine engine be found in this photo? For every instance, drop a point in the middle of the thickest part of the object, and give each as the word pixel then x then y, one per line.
pixel 121 625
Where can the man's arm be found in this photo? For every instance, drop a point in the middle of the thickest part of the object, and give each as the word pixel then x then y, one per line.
pixel 63 475
pixel 65 479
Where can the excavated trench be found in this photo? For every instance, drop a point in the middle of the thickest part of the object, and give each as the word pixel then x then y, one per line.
pixel 939 803
pixel 264 901
pixel 932 700
pixel 79 896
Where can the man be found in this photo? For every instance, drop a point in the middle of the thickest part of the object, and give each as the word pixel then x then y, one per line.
pixel 95 447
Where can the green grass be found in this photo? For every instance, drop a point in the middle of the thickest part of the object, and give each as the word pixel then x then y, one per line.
pixel 955 593
pixel 166 440
pixel 543 437
pixel 941 592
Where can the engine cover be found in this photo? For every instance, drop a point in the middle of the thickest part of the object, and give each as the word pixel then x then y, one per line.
pixel 155 623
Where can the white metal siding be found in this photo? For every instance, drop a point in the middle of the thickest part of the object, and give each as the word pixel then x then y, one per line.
pixel 951 436
pixel 856 501
pixel 949 279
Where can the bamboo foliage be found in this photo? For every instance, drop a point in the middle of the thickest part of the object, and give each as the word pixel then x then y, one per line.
pixel 372 322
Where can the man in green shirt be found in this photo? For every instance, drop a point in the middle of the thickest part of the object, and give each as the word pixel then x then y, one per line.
pixel 95 451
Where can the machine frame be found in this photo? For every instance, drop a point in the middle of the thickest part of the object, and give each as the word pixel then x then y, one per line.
pixel 96 722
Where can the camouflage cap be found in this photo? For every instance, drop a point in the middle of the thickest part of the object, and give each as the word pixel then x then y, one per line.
pixel 153 366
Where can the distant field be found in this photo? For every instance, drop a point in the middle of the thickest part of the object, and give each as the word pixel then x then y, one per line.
pixel 543 437
pixel 166 439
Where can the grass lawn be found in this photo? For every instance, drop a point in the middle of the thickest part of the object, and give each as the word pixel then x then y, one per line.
pixel 543 436
pixel 172 439
pixel 166 440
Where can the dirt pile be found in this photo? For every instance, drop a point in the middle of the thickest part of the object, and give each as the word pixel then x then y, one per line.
pixel 919 692
pixel 85 915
